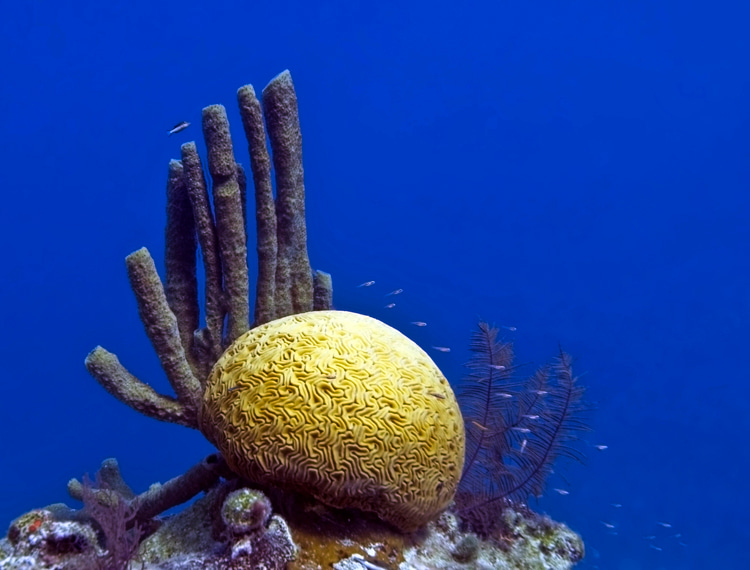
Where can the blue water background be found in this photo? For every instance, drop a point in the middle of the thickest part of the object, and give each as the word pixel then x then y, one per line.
pixel 578 170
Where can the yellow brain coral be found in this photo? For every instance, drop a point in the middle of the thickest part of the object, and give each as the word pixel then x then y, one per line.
pixel 340 406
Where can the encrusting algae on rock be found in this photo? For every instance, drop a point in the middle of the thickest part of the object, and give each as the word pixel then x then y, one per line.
pixel 341 442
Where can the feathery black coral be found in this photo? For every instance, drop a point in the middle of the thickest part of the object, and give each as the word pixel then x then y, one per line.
pixel 516 429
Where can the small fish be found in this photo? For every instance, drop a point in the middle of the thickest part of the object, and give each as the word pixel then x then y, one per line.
pixel 541 392
pixel 608 525
pixel 521 430
pixel 528 417
pixel 682 544
pixel 331 377
pixel 504 395
pixel 497 366
pixel 678 535
pixel 177 128
pixel 480 426
pixel 394 292
pixel 562 491
pixel 655 547
pixel 233 388
pixel 366 284
pixel 419 323
pixel 616 505
pixel 390 305
pixel 651 537
pixel 523 445
pixel 441 348
pixel 601 447
pixel 511 329
pixel 438 396
pixel 664 524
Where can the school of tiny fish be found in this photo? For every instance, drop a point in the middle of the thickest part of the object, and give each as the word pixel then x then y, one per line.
pixel 610 526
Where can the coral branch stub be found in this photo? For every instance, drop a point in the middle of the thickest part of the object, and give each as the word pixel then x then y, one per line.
pixel 342 407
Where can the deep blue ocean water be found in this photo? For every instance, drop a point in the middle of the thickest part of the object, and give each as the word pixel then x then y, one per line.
pixel 577 170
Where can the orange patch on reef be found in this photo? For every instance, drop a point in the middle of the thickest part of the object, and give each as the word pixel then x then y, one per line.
pixel 326 536
pixel 34 526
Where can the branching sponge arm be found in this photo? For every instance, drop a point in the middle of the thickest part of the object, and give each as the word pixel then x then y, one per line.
pixel 199 477
pixel 181 283
pixel 322 291
pixel 265 213
pixel 208 341
pixel 230 226
pixel 111 488
pixel 113 376
pixel 294 287
pixel 161 327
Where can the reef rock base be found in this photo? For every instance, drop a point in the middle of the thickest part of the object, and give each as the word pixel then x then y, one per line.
pixel 233 528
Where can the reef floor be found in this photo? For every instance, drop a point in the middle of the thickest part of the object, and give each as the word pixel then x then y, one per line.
pixel 234 528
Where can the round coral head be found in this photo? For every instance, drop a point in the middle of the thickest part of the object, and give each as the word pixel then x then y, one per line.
pixel 342 407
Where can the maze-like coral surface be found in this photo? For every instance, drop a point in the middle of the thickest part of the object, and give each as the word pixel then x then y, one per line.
pixel 340 406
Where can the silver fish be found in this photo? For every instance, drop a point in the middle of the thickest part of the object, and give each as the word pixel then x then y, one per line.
pixel 178 127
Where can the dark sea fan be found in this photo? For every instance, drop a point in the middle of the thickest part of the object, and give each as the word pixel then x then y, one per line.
pixel 116 519
pixel 516 429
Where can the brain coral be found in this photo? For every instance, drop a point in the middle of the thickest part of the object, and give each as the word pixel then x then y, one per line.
pixel 340 406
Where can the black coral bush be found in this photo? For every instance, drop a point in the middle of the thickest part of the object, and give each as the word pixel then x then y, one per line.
pixel 516 429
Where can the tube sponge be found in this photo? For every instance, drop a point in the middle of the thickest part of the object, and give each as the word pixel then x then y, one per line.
pixel 342 407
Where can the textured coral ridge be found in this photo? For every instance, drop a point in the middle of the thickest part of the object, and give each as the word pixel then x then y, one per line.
pixel 342 407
